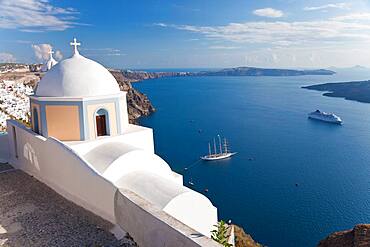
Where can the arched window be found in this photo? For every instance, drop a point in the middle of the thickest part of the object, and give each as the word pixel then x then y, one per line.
pixel 102 122
pixel 36 127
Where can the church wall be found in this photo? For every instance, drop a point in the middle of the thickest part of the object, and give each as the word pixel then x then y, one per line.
pixel 63 122
pixel 124 114
pixel 43 121
pixel 56 165
pixel 151 226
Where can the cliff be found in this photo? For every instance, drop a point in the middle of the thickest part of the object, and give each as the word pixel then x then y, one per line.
pixel 135 76
pixel 137 102
pixel 243 239
pixel 359 236
pixel 355 90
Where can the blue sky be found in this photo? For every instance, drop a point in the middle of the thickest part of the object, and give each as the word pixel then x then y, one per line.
pixel 190 34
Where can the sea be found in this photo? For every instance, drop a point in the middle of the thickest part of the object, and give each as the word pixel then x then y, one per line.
pixel 293 180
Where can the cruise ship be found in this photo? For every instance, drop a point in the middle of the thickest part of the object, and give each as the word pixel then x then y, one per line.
pixel 326 117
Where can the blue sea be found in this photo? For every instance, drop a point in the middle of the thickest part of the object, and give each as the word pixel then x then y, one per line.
pixel 294 180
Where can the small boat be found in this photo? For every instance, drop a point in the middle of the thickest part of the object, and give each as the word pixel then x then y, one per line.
pixel 191 182
pixel 223 153
pixel 325 117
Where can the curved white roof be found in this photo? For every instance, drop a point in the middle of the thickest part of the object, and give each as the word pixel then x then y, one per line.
pixel 182 203
pixel 77 77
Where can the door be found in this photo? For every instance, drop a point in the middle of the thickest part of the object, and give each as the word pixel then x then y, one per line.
pixel 101 126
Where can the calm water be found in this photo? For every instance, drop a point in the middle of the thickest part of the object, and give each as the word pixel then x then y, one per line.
pixel 265 119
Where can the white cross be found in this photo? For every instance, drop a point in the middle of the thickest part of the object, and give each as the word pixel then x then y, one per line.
pixel 51 53
pixel 75 44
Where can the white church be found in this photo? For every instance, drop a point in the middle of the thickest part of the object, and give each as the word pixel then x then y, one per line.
pixel 81 144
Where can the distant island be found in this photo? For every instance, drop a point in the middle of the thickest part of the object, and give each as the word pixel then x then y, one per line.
pixel 134 76
pixel 355 90
pixel 252 71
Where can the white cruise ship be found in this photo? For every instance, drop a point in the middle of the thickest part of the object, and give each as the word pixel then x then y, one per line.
pixel 326 117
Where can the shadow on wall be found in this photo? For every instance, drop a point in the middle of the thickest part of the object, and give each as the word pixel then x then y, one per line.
pixel 30 155
pixel 4 148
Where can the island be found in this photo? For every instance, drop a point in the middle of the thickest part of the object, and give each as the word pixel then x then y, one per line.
pixel 252 71
pixel 355 90
pixel 135 76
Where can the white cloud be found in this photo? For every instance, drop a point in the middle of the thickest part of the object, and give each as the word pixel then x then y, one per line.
pixel 329 6
pixel 222 47
pixel 284 33
pixel 42 52
pixel 364 16
pixel 269 12
pixel 19 41
pixel 7 58
pixel 102 52
pixel 160 24
pixel 35 16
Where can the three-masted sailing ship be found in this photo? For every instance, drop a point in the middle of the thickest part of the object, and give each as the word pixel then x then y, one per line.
pixel 224 151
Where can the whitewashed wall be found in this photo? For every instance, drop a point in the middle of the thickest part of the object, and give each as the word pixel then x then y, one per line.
pixel 151 226
pixel 4 148
pixel 53 163
pixel 63 170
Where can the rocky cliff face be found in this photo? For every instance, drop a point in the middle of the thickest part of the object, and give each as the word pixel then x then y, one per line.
pixel 137 102
pixel 359 236
pixel 134 76
pixel 243 239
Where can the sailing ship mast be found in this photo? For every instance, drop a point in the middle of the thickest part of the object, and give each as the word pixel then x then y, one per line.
pixel 214 145
pixel 225 146
pixel 219 141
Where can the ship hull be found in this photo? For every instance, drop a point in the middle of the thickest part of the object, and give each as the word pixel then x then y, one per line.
pixel 217 157
pixel 325 120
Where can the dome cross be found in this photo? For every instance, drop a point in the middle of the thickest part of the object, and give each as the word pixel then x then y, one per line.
pixel 75 44
pixel 51 52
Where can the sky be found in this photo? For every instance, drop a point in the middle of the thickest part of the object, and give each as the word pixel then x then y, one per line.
pixel 189 34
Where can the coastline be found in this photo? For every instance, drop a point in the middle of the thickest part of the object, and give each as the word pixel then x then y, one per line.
pixel 354 90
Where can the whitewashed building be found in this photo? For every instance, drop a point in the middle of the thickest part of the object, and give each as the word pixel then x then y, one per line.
pixel 82 145
pixel 50 63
